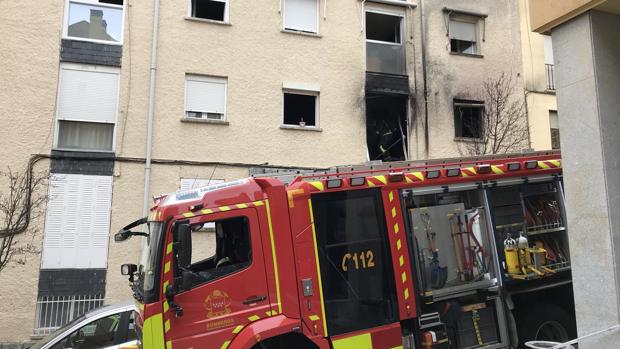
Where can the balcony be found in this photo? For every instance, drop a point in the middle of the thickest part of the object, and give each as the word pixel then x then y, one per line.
pixel 550 72
pixel 387 58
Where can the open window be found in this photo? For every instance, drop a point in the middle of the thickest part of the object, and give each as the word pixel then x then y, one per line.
pixel 301 108
pixel 384 44
pixel 386 127
pixel 463 35
pixel 468 119
pixel 221 252
pixel 215 10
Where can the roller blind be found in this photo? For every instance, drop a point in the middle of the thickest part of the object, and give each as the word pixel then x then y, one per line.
pixel 88 95
pixel 548 49
pixel 464 31
pixel 301 15
pixel 207 95
pixel 77 222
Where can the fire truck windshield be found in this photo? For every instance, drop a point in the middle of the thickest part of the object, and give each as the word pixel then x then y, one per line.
pixel 149 262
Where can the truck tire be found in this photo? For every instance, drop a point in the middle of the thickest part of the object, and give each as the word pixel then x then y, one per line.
pixel 545 322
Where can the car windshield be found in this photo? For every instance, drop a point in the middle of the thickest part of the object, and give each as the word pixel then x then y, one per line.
pixel 149 260
pixel 56 333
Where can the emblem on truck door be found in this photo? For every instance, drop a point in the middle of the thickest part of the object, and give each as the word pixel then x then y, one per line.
pixel 217 304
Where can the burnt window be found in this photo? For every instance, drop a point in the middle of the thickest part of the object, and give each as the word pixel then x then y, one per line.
pixel 555 129
pixel 382 27
pixel 215 10
pixel 468 121
pixel 301 109
pixel 463 35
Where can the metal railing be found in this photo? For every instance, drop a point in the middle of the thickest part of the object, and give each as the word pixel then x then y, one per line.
pixel 56 311
pixel 550 72
pixel 385 58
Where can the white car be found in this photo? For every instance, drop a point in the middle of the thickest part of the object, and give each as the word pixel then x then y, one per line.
pixel 108 327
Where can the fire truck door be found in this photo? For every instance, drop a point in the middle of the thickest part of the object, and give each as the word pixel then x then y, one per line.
pixel 229 287
pixel 357 274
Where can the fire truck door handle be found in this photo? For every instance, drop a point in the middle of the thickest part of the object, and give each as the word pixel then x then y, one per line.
pixel 254 299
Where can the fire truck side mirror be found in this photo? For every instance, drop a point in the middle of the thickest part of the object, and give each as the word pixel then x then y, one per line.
pixel 183 245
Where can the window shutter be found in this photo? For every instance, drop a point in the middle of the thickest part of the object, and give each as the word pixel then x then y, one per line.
pixel 301 15
pixel 88 95
pixel 553 119
pixel 206 96
pixel 464 31
pixel 77 223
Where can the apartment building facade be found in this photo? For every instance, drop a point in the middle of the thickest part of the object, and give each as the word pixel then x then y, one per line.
pixel 540 84
pixel 232 88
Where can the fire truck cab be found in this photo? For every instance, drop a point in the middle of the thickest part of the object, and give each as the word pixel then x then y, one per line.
pixel 466 253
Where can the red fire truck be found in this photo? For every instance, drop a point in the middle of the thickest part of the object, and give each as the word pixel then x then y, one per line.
pixel 465 253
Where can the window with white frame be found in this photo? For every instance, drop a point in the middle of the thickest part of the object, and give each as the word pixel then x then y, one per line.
pixel 215 10
pixel 205 97
pixel 77 222
pixel 87 107
pixel 301 15
pixel 464 34
pixel 301 108
pixel 94 20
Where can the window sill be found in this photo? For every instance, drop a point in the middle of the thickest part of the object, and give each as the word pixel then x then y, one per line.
pixel 205 121
pixel 472 55
pixel 468 140
pixel 204 20
pixel 295 32
pixel 301 128
pixel 402 3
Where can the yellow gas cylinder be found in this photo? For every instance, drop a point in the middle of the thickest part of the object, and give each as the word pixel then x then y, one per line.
pixel 511 255
pixel 525 258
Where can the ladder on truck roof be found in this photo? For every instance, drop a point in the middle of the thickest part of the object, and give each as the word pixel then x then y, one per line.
pixel 375 167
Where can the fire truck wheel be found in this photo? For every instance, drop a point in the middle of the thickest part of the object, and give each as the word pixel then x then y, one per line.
pixel 544 322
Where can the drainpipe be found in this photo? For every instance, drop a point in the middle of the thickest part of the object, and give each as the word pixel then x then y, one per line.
pixel 424 76
pixel 149 120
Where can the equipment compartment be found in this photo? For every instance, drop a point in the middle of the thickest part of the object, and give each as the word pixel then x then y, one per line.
pixel 530 230
pixel 452 242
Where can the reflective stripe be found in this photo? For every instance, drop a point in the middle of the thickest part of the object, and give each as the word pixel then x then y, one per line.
pixel 543 165
pixel 167 326
pixel 391 196
pixel 381 179
pixel 318 185
pixel 497 170
pixel 169 345
pixel 153 332
pixel 225 345
pixel 556 163
pixel 273 255
pixel 406 293
pixel 224 208
pixel 254 318
pixel 242 206
pixel 318 267
pixel 398 244
pixel 167 267
pixel 238 329
pixel 169 248
pixel 258 203
pixel 166 306
pixel 314 317
pixel 396 228
pixel 393 210
pixel 362 341
pixel 207 211
pixel 401 261
pixel 418 175
pixel 188 214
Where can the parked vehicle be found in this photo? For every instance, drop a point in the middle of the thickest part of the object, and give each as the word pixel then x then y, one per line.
pixel 462 253
pixel 109 327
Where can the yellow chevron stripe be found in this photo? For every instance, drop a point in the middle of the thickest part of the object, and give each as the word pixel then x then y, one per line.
pixel 543 165
pixel 497 170
pixel 381 179
pixel 556 163
pixel 318 185
pixel 418 175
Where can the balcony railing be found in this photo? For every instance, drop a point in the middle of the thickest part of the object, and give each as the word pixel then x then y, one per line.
pixel 385 58
pixel 54 312
pixel 550 71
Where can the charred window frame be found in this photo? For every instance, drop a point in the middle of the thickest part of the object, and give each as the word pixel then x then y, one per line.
pixel 468 119
pixel 300 108
pixel 210 10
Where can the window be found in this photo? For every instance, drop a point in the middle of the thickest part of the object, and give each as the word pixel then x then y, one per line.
pixel 385 52
pixel 216 10
pixel 218 254
pixel 301 15
pixel 100 333
pixel 205 97
pixel 301 108
pixel 354 256
pixel 468 121
pixel 93 20
pixel 77 222
pixel 555 129
pixel 463 35
pixel 87 106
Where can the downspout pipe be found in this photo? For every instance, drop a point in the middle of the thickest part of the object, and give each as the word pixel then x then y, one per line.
pixel 424 77
pixel 149 118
